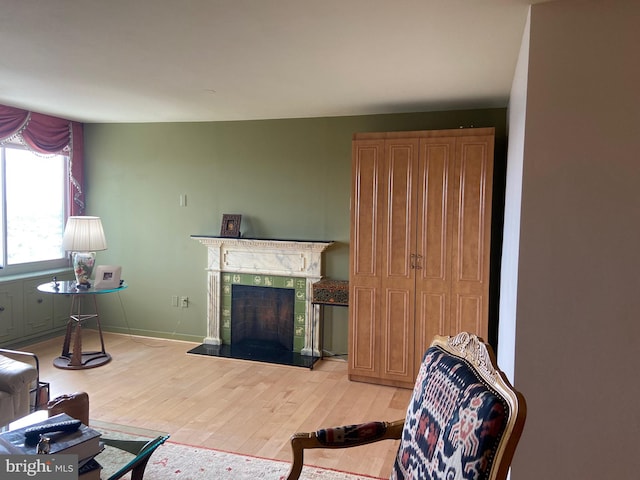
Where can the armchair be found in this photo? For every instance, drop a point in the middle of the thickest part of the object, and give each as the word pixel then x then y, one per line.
pixel 17 380
pixel 464 419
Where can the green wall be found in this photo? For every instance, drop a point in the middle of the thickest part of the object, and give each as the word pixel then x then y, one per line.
pixel 289 179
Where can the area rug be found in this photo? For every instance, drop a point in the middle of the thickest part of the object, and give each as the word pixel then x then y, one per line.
pixel 175 461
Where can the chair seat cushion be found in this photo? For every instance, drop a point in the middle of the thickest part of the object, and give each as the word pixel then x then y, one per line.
pixel 454 422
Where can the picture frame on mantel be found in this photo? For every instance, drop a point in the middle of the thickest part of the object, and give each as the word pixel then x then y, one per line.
pixel 230 225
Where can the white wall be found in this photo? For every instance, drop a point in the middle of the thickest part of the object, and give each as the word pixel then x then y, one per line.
pixel 513 200
pixel 578 290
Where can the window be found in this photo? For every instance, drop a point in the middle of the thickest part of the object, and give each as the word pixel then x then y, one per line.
pixel 34 206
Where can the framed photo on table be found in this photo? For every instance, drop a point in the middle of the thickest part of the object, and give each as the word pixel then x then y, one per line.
pixel 230 226
pixel 107 276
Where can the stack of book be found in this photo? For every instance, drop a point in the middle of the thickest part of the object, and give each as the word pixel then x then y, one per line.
pixel 84 442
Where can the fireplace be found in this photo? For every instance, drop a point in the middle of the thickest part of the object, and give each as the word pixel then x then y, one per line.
pixel 262 316
pixel 289 265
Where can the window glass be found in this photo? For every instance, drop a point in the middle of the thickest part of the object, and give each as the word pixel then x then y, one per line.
pixel 35 206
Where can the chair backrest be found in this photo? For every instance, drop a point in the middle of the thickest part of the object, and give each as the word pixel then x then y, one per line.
pixel 464 419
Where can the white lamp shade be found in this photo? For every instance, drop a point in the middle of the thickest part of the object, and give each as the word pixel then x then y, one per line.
pixel 84 234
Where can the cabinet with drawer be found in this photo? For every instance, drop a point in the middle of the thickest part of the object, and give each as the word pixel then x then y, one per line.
pixel 27 313
pixel 10 311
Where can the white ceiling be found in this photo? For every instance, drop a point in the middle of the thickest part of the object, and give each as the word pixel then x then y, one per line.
pixel 212 60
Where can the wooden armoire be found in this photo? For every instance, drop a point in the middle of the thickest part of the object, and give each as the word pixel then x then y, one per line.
pixel 419 254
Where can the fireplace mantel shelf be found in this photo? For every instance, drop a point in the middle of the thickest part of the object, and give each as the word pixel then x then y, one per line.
pixel 286 240
pixel 214 240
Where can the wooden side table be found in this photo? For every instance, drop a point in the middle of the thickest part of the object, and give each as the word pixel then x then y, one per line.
pixel 76 359
pixel 327 293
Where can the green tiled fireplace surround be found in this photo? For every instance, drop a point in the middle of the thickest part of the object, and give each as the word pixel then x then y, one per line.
pixel 295 283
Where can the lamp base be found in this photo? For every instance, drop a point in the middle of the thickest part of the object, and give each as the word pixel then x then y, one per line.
pixel 83 263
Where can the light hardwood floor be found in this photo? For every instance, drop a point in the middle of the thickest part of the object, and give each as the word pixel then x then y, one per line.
pixel 246 407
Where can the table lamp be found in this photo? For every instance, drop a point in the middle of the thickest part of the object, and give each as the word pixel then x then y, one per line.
pixel 83 236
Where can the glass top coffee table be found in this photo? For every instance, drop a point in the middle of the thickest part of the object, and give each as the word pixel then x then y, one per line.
pixel 127 448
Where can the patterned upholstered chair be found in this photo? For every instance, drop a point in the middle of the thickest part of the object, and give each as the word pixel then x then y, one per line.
pixel 463 422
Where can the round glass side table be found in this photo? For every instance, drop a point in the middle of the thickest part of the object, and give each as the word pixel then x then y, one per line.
pixel 76 359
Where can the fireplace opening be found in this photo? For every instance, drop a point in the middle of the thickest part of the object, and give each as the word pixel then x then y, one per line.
pixel 262 317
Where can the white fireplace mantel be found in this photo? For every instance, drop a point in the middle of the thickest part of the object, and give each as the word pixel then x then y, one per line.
pixel 293 258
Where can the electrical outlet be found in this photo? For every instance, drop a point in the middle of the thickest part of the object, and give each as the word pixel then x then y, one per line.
pixel 174 301
pixel 184 302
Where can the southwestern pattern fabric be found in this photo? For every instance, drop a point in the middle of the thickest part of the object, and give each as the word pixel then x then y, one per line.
pixel 454 423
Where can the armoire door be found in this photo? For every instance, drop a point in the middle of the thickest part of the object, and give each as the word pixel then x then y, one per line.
pixel 471 235
pixel 398 261
pixel 434 246
pixel 364 258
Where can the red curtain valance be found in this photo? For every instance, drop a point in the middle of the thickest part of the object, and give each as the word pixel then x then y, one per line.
pixel 46 134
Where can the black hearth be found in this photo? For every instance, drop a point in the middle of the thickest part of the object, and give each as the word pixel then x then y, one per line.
pixel 256 353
